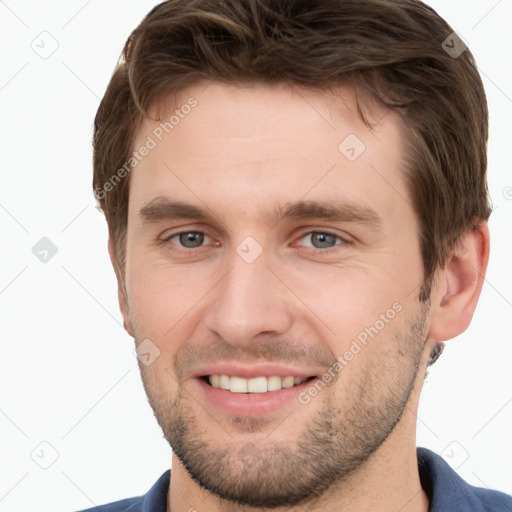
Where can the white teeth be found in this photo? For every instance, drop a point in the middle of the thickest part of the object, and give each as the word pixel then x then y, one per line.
pixel 224 382
pixel 288 382
pixel 238 385
pixel 274 383
pixel 254 385
pixel 257 385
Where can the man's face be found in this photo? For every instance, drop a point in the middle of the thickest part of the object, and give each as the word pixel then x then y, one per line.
pixel 306 263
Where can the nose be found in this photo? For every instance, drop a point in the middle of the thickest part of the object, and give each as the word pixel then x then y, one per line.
pixel 249 303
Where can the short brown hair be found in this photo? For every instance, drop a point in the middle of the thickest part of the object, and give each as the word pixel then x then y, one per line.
pixel 393 49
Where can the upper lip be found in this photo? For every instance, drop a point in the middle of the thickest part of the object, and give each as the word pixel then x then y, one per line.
pixel 255 370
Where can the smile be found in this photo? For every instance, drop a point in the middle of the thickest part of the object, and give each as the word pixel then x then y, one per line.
pixel 254 385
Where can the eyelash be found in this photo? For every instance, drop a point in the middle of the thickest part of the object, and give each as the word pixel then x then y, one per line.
pixel 321 232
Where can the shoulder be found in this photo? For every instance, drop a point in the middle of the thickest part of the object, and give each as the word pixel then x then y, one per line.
pixel 447 491
pixel 493 500
pixel 155 500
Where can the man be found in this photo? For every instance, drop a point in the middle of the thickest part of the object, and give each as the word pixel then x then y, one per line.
pixel 297 207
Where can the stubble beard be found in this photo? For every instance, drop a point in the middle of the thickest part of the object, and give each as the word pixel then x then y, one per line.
pixel 334 444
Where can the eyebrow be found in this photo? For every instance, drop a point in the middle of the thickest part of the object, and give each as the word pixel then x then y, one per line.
pixel 162 208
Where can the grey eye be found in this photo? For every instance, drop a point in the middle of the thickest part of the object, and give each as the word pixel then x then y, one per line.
pixel 321 240
pixel 191 239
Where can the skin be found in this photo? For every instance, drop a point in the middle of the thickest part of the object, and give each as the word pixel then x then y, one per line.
pixel 241 153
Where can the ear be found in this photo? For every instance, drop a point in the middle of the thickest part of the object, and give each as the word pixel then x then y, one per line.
pixel 121 290
pixel 457 287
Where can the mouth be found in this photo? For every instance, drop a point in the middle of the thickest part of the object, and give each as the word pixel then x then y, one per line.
pixel 266 391
pixel 255 385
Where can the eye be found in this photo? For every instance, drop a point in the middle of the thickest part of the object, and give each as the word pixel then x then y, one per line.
pixel 189 239
pixel 321 240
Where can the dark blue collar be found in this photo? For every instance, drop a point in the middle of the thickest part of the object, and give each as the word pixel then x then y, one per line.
pixel 448 492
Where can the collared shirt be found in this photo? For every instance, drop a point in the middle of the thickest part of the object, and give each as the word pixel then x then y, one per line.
pixel 445 489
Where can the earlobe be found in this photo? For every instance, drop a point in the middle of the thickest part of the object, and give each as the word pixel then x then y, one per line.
pixel 458 285
pixel 121 291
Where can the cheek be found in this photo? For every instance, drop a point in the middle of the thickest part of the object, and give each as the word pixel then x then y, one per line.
pixel 162 298
pixel 347 299
pixel 162 305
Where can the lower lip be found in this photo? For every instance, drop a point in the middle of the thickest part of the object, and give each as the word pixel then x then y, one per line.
pixel 254 405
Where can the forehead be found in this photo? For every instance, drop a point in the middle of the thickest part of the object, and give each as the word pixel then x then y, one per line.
pixel 270 143
pixel 267 110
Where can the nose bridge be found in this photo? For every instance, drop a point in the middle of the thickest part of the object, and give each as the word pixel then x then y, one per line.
pixel 248 301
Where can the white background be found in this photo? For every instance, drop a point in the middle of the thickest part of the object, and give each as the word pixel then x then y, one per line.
pixel 68 376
